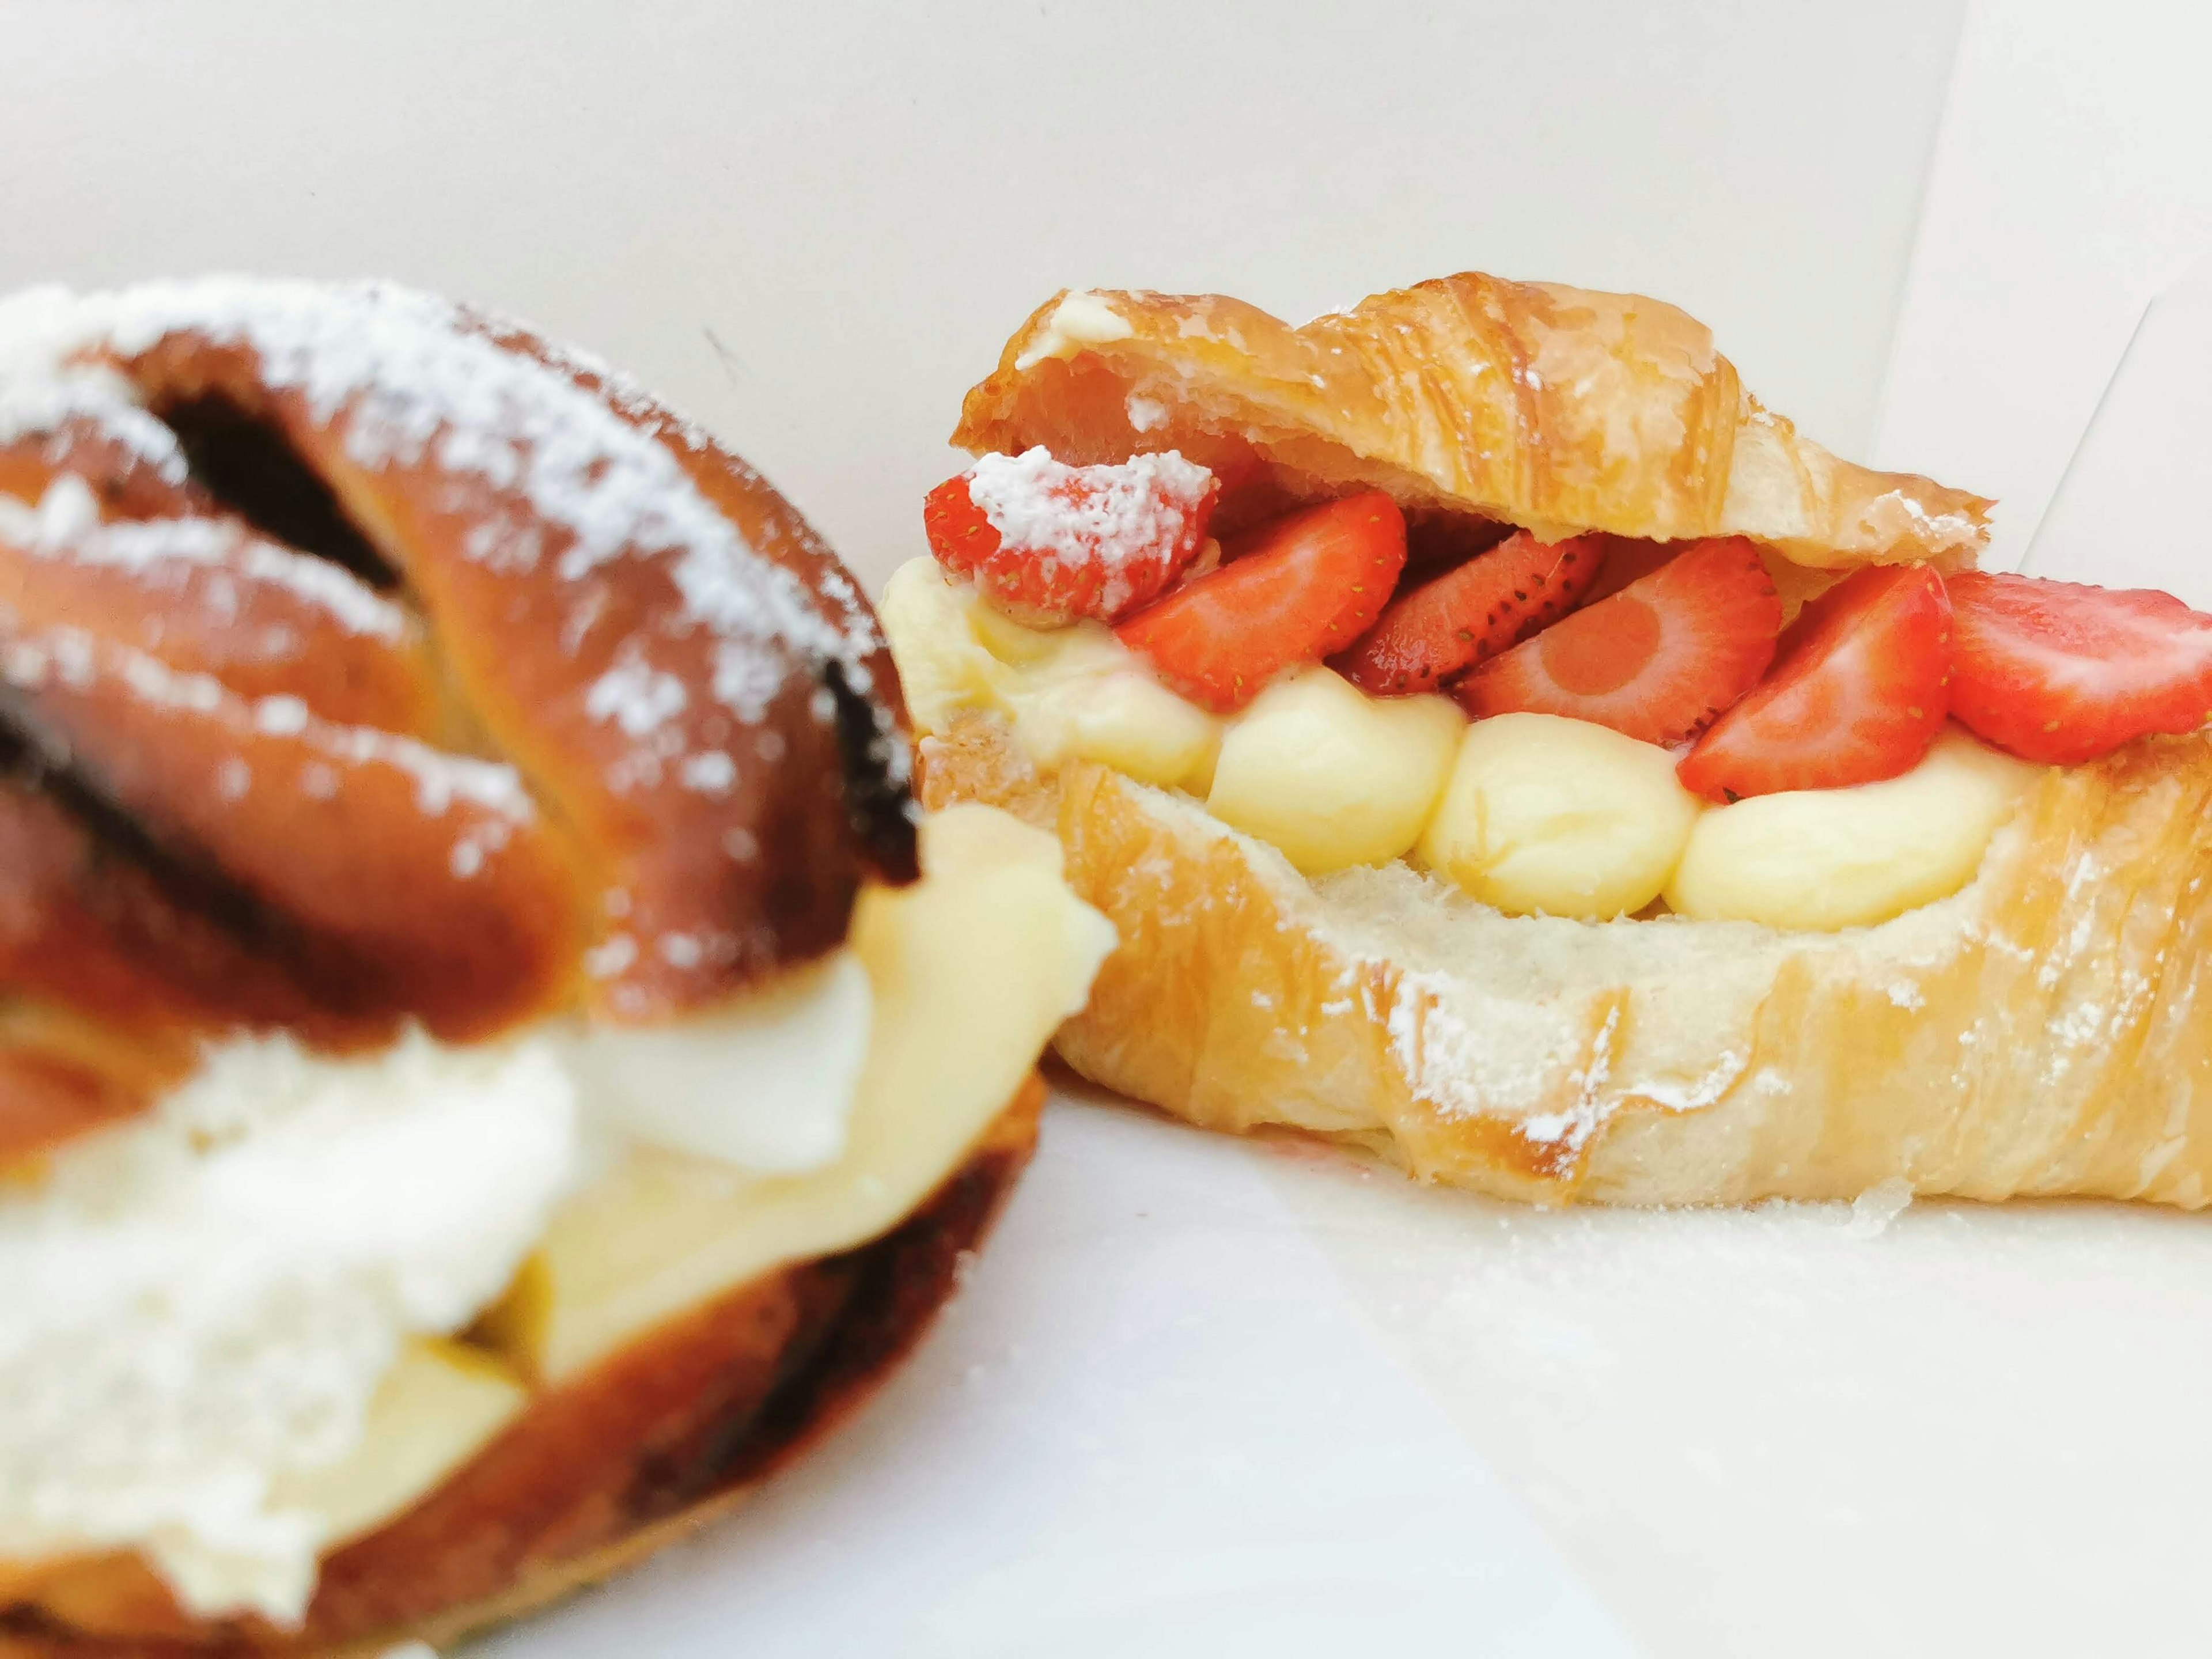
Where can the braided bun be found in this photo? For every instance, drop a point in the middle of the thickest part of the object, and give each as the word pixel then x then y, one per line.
pixel 364 658
pixel 431 768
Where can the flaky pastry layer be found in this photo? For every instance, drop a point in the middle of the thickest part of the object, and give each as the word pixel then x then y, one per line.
pixel 2040 1033
pixel 2037 1033
pixel 1556 408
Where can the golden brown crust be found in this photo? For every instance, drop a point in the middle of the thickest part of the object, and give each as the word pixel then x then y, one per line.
pixel 1552 407
pixel 393 663
pixel 2041 1034
pixel 108 972
pixel 654 1442
pixel 365 661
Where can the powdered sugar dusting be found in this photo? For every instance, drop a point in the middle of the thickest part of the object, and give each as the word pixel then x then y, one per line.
pixel 417 379
pixel 1571 1128
pixel 68 657
pixel 66 525
pixel 636 696
pixel 711 772
pixel 1519 1067
pixel 48 404
pixel 63 514
pixel 1873 1210
pixel 1480 1069
pixel 1089 516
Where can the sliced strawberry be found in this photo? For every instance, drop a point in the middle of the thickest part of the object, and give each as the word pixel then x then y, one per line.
pixel 1466 615
pixel 1657 660
pixel 1299 589
pixel 1049 543
pixel 2061 672
pixel 1435 540
pixel 1627 559
pixel 1856 694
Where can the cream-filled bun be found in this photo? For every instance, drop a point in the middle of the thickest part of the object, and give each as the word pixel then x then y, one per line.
pixel 490 1062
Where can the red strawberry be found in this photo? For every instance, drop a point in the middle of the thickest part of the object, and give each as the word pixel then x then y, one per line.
pixel 2062 673
pixel 1048 543
pixel 1449 623
pixel 1657 660
pixel 1302 588
pixel 1627 559
pixel 1436 541
pixel 1856 694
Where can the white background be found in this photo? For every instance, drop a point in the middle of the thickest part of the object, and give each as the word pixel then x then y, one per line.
pixel 860 202
pixel 2073 182
pixel 1208 1397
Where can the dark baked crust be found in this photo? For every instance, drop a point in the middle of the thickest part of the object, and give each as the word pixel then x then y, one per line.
pixel 658 1439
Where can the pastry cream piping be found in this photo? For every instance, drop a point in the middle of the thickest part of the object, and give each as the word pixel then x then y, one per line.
pixel 1071 693
pixel 1533 814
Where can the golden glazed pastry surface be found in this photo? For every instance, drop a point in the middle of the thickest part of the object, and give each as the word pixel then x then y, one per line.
pixel 1553 408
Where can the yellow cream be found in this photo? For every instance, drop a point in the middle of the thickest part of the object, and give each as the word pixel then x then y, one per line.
pixel 1073 693
pixel 1558 816
pixel 187 1280
pixel 1529 813
pixel 972 970
pixel 439 1405
pixel 1079 320
pixel 1825 859
pixel 1330 775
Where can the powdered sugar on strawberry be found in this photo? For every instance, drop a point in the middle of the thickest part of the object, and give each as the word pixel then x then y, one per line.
pixel 1092 540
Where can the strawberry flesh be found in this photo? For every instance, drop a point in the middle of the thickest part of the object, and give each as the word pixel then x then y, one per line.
pixel 2062 672
pixel 1298 590
pixel 1626 559
pixel 1857 694
pixel 1657 660
pixel 1468 615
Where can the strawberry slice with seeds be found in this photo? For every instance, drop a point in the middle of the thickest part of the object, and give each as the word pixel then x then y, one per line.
pixel 2062 672
pixel 1657 660
pixel 1858 693
pixel 1298 590
pixel 1048 543
pixel 1469 614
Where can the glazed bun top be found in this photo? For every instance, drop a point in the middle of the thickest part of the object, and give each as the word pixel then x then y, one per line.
pixel 365 658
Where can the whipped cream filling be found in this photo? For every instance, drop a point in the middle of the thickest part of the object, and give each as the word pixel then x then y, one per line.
pixel 201 1301
pixel 767 1084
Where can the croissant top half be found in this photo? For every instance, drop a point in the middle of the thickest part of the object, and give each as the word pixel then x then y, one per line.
pixel 1553 408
